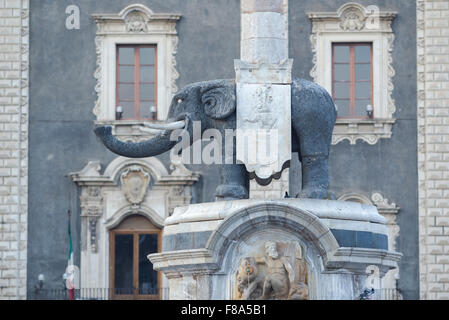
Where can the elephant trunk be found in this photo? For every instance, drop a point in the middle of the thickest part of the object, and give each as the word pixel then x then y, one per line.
pixel 149 148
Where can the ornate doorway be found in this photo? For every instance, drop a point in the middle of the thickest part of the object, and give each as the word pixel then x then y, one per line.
pixel 143 187
pixel 131 274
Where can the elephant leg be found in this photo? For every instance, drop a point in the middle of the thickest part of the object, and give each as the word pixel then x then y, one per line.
pixel 315 173
pixel 313 118
pixel 234 183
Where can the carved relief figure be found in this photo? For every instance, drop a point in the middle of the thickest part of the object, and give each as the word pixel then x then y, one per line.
pixel 279 274
pixel 263 117
pixel 272 277
pixel 249 283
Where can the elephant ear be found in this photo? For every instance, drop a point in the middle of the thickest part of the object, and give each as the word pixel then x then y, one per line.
pixel 219 101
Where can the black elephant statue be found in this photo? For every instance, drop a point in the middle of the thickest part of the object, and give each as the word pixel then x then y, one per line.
pixel 213 103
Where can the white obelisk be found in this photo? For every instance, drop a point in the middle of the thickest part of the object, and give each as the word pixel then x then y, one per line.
pixel 263 76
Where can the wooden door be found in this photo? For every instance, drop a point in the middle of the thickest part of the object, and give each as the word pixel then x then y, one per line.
pixel 131 273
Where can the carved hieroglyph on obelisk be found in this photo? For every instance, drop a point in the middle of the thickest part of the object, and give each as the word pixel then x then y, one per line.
pixel 263 76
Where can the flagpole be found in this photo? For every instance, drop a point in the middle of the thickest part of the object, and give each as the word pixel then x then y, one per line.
pixel 69 283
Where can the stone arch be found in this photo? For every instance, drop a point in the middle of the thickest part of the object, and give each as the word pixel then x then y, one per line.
pixel 355 197
pixel 128 211
pixel 136 7
pixel 268 215
pixel 351 6
pixel 154 166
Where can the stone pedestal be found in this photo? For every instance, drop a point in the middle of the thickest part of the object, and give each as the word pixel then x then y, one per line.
pixel 273 249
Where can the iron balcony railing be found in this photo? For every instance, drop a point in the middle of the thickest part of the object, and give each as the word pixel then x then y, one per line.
pixel 156 294
pixel 101 294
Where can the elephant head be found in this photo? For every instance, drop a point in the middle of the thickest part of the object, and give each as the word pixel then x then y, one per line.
pixel 209 102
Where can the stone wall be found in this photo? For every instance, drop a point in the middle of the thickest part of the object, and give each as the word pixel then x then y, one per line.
pixel 433 147
pixel 13 147
pixel 275 190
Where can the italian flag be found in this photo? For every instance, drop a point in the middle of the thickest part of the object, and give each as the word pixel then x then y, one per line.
pixel 70 285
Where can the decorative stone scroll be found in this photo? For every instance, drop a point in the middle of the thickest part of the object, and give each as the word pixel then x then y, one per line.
pixel 275 271
pixel 91 208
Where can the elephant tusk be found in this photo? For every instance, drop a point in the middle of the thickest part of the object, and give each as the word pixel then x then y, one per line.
pixel 166 126
pixel 152 131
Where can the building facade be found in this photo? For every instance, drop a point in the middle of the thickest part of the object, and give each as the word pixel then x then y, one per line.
pixel 67 66
pixel 14 70
pixel 433 119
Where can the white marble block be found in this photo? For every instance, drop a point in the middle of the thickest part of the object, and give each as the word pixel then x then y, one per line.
pixel 264 31
pixel 264 127
pixel 264 37
pixel 263 77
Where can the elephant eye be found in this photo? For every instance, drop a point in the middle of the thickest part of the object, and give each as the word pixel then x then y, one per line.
pixel 180 100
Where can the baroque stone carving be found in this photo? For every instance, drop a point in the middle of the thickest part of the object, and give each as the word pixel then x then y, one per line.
pixel 136 22
pixel 352 19
pixel 177 198
pixel 135 183
pixel 93 191
pixel 174 71
pixel 98 72
pixel 93 233
pixel 91 204
pixel 369 131
pixel 249 282
pixel 382 204
pixel 264 117
pixel 177 168
pixel 314 47
pixel 391 105
pixel 389 211
pixel 92 169
pixel 279 272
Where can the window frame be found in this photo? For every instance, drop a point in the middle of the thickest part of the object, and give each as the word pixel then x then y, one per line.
pixel 116 28
pixel 352 82
pixel 370 26
pixel 137 66
pixel 135 232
